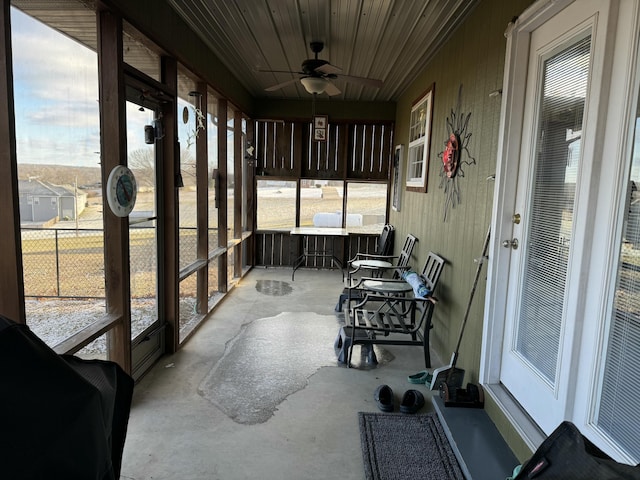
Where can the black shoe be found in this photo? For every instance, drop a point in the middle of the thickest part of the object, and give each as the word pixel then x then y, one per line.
pixel 412 401
pixel 384 398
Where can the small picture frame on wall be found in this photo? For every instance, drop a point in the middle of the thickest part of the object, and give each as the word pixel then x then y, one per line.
pixel 320 121
pixel 320 125
pixel 397 172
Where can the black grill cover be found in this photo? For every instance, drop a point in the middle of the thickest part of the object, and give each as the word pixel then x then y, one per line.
pixel 568 455
pixel 60 416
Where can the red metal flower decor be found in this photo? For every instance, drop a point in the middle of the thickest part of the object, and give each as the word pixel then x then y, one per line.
pixel 456 144
pixel 451 156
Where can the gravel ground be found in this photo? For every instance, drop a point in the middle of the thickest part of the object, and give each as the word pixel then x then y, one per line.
pixel 54 320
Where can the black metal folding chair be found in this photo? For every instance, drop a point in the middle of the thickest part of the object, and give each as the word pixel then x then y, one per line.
pixel 385 310
pixel 374 265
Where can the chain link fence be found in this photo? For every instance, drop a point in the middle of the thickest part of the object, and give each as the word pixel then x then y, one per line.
pixel 64 280
pixel 69 263
pixel 63 263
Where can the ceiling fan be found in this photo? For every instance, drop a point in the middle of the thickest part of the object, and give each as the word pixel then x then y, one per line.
pixel 317 75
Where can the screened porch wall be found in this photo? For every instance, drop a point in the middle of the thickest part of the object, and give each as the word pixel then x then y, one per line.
pixel 285 150
pixel 352 151
pixel 280 249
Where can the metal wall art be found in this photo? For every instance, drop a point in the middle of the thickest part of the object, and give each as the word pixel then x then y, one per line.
pixel 456 144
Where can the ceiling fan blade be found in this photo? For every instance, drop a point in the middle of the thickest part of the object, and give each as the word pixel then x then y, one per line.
pixel 277 71
pixel 331 89
pixel 328 69
pixel 369 82
pixel 280 85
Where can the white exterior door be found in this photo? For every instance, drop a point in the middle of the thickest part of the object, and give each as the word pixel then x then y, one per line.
pixel 561 328
pixel 557 78
pixel 554 150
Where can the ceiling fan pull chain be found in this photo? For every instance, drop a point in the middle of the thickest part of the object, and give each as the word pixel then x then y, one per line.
pixel 313 106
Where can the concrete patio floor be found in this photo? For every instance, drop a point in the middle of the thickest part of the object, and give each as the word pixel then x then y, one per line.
pixel 178 428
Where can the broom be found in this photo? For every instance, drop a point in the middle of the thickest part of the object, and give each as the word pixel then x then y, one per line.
pixel 451 375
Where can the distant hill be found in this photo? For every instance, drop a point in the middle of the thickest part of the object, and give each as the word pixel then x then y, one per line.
pixel 88 177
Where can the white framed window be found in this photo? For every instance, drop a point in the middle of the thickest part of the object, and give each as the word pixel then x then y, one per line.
pixel 420 142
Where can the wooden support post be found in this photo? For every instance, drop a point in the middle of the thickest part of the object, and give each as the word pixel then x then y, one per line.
pixel 113 143
pixel 238 166
pixel 202 204
pixel 170 220
pixel 222 194
pixel 11 277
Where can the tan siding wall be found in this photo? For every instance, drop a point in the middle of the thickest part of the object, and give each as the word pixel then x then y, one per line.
pixel 474 57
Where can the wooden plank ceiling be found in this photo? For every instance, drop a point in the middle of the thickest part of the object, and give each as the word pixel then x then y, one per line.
pixel 386 40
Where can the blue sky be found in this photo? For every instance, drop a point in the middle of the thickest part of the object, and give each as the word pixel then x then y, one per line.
pixel 56 98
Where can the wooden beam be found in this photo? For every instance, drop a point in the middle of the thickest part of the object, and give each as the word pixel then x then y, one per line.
pixel 250 192
pixel 84 337
pixel 221 187
pixel 11 277
pixel 113 151
pixel 202 203
pixel 168 211
pixel 238 167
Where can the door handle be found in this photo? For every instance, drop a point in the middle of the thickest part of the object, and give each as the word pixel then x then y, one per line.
pixel 514 242
pixel 511 244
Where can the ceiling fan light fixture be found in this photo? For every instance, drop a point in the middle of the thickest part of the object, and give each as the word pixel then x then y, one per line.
pixel 314 84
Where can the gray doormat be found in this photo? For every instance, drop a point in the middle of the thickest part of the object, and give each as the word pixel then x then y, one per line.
pixel 397 446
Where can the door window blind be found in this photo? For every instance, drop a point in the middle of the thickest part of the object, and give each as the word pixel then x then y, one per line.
pixel 618 413
pixel 550 210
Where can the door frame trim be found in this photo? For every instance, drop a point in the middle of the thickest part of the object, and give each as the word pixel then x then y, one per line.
pixel 518 35
pixel 623 91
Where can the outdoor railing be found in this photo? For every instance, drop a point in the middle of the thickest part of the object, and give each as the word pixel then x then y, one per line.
pixel 277 248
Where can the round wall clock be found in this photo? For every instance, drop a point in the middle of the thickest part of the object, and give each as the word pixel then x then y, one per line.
pixel 121 191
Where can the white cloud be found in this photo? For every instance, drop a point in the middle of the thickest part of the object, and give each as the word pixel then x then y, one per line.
pixel 56 96
pixel 58 151
pixel 65 115
pixel 49 66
